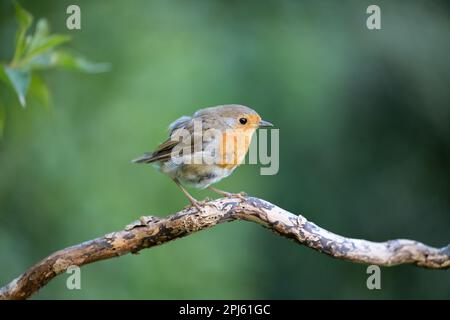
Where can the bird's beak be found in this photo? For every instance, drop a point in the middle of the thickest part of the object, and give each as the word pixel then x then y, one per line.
pixel 264 124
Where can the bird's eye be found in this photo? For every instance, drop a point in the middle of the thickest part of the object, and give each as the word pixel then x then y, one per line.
pixel 243 120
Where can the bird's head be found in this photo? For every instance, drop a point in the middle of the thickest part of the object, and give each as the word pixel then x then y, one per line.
pixel 235 116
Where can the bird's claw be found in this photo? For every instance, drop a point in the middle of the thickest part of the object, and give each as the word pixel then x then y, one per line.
pixel 199 205
pixel 241 195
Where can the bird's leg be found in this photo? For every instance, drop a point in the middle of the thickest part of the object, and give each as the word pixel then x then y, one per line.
pixel 197 204
pixel 240 195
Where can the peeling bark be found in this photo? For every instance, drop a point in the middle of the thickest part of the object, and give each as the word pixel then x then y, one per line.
pixel 151 231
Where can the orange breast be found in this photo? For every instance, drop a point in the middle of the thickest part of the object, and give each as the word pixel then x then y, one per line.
pixel 234 146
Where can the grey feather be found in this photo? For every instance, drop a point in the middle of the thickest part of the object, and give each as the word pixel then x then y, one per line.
pixel 144 158
pixel 179 123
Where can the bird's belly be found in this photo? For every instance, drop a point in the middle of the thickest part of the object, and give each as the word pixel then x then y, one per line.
pixel 201 176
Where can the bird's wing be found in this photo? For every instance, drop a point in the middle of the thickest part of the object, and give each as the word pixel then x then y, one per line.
pixel 178 131
pixel 164 151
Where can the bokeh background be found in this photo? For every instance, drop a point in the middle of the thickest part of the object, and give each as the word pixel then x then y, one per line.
pixel 364 120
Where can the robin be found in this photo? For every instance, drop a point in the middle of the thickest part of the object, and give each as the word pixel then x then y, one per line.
pixel 205 148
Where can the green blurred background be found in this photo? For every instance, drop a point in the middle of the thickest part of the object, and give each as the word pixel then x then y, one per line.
pixel 364 120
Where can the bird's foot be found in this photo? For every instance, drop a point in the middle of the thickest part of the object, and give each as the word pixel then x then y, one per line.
pixel 199 205
pixel 241 195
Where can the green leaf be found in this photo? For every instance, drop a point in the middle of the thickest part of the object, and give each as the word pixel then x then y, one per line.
pixel 39 91
pixel 67 60
pixel 41 62
pixel 24 18
pixel 2 119
pixel 20 80
pixel 3 76
pixel 42 42
pixel 46 45
pixel 42 31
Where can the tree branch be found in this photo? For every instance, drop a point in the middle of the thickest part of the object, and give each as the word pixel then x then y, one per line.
pixel 151 231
